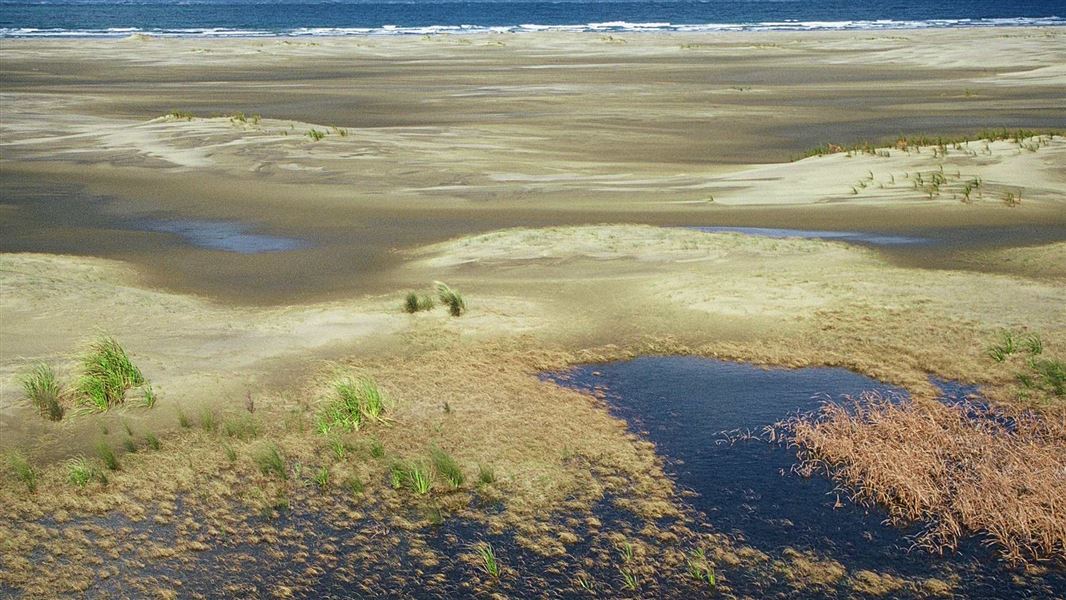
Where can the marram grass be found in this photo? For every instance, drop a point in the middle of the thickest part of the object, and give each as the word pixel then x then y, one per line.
pixel 107 374
pixel 44 391
pixel 450 298
pixel 352 403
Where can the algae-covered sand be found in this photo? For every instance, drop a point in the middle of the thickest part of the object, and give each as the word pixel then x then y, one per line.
pixel 554 180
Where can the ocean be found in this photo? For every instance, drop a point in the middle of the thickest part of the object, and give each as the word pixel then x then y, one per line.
pixel 243 18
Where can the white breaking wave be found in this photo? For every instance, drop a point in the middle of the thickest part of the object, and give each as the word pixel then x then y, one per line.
pixel 610 26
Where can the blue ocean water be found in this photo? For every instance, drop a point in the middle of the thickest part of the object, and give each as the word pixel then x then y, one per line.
pixel 110 18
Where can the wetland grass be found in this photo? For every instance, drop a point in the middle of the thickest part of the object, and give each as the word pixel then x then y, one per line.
pixel 43 389
pixel 959 470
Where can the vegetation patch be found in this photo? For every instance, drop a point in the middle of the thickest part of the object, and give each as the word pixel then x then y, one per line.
pixel 450 298
pixel 107 374
pixel 414 303
pixel 352 403
pixel 958 470
pixel 44 391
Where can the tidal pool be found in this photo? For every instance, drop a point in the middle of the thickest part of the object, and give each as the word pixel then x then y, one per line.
pixel 698 411
pixel 228 236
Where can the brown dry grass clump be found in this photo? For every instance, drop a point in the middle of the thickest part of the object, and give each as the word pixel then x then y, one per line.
pixel 962 469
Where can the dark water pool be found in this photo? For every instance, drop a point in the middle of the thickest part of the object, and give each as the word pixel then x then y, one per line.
pixel 745 487
pixel 858 237
pixel 228 236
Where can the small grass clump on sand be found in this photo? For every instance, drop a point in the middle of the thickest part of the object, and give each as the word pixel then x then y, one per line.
pixel 23 471
pixel 152 441
pixel 353 402
pixel 107 374
pixel 44 391
pixel 315 134
pixel 414 303
pixel 450 298
pixel 446 467
pixel 270 461
pixel 959 469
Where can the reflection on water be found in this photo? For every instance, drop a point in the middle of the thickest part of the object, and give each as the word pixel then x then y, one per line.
pixel 698 411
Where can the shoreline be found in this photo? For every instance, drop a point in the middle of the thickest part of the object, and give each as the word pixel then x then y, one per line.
pixel 610 27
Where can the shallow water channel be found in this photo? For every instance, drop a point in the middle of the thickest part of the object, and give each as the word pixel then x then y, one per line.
pixel 694 410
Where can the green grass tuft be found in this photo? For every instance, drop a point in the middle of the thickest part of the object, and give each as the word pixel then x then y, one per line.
pixel 130 445
pixel 243 427
pixel 322 477
pixel 107 456
pixel 23 471
pixel 413 476
pixel 489 564
pixel 151 441
pixel 354 485
pixel 208 422
pixel 446 467
pixel 415 303
pixel 270 461
pixel 353 402
pixel 230 452
pixel 700 569
pixel 485 475
pixel 377 449
pixel 107 373
pixel 80 471
pixel 450 298
pixel 183 419
pixel 44 391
